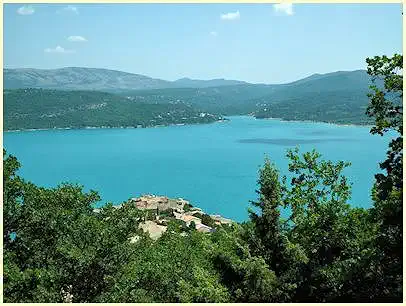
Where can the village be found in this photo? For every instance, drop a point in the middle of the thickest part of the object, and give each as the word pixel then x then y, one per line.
pixel 160 210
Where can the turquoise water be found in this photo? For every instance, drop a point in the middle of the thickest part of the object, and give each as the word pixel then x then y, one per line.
pixel 214 165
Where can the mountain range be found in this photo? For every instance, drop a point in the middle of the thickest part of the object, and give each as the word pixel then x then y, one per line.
pixel 68 97
pixel 190 83
pixel 77 78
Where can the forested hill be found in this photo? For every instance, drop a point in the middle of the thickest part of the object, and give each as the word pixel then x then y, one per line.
pixel 339 97
pixel 43 108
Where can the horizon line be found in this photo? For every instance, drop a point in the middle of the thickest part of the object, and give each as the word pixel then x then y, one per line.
pixel 191 79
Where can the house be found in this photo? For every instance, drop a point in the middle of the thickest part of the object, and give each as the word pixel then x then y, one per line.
pixel 188 219
pixel 204 228
pixel 154 230
pixel 220 220
pixel 151 202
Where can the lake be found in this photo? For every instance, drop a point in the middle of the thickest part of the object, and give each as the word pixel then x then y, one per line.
pixel 214 166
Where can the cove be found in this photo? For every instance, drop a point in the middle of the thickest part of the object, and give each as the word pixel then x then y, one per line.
pixel 214 166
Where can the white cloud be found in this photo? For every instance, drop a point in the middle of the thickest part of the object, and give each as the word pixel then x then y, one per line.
pixel 58 49
pixel 286 8
pixel 76 38
pixel 230 16
pixel 26 10
pixel 69 9
pixel 213 33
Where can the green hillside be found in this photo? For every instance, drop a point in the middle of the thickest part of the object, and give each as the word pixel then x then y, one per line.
pixel 41 108
pixel 339 97
pixel 227 100
pixel 344 107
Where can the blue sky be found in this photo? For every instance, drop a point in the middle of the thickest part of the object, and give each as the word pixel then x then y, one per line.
pixel 264 43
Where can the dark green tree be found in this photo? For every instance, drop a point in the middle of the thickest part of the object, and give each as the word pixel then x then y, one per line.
pixel 60 249
pixel 207 220
pixel 314 251
pixel 386 107
pixel 268 241
pixel 12 198
pixel 175 268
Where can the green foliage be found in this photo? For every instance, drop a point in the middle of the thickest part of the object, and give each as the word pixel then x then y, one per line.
pixel 226 100
pixel 60 243
pixel 41 108
pixel 203 287
pixel 12 197
pixel 173 269
pixel 267 226
pixel 313 252
pixel 58 249
pixel 247 277
pixel 192 226
pixel 387 109
pixel 207 220
pixel 337 97
pixel 384 107
pixel 166 213
pixel 318 185
pixel 341 107
pixel 331 233
pixel 187 207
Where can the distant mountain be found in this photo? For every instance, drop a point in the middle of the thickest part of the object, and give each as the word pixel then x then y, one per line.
pixel 334 97
pixel 339 97
pixel 75 78
pixel 334 80
pixel 341 81
pixel 186 82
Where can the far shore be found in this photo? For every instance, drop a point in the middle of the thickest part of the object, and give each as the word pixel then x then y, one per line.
pixel 112 127
pixel 314 121
pixel 186 124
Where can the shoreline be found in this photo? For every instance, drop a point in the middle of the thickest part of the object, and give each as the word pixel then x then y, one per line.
pixel 113 127
pixel 313 121
pixel 225 119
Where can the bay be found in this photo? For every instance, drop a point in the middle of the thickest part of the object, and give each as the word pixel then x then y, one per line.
pixel 214 166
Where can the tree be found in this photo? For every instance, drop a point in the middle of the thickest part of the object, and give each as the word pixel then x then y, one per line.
pixel 175 268
pixel 12 197
pixel 61 247
pixel 386 107
pixel 313 252
pixel 268 241
pixel 322 223
pixel 207 220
